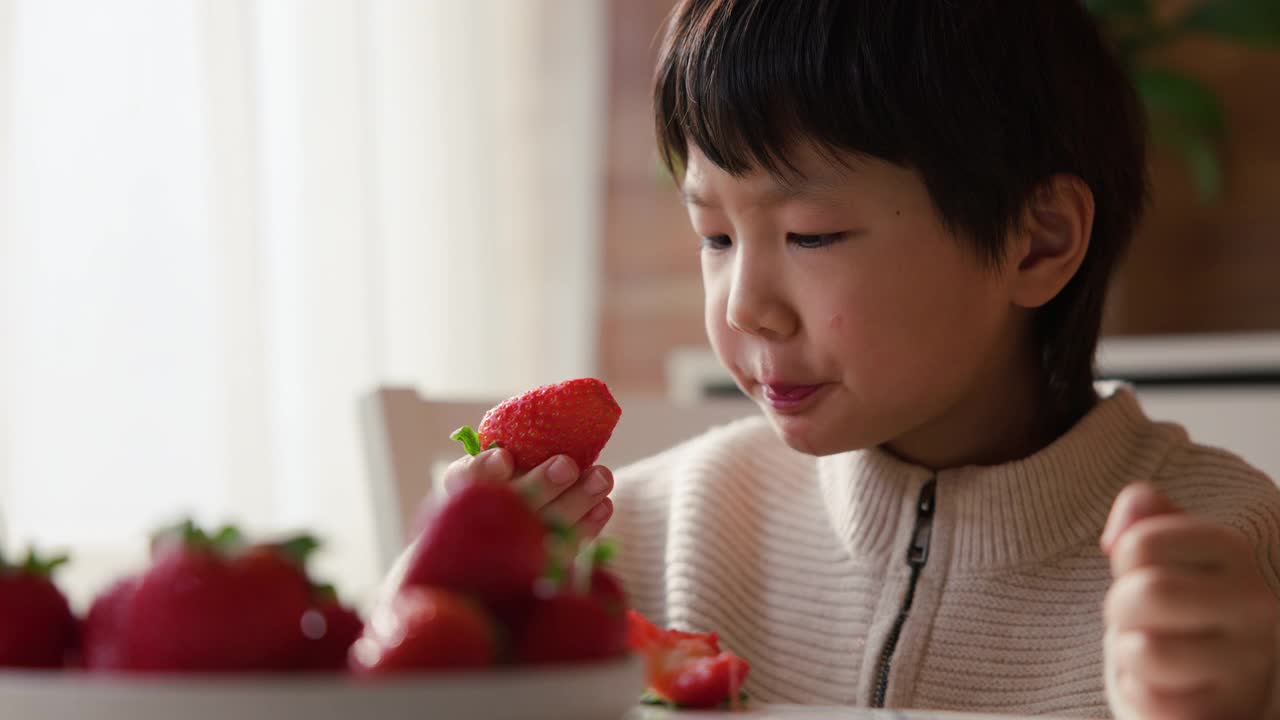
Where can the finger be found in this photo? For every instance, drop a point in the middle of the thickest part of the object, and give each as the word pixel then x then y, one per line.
pixel 574 503
pixel 1177 662
pixel 1146 701
pixel 493 465
pixel 548 481
pixel 594 521
pixel 1134 503
pixel 1180 540
pixel 1166 600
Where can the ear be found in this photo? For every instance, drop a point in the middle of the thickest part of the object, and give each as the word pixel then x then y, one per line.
pixel 1052 240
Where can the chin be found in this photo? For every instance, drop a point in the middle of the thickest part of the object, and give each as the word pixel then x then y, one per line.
pixel 806 436
pixel 813 436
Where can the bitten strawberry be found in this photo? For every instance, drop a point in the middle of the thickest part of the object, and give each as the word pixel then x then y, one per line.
pixel 37 629
pixel 211 604
pixel 426 629
pixel 483 539
pixel 574 418
pixel 686 669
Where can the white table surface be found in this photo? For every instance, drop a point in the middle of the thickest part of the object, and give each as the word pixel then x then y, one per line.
pixel 808 712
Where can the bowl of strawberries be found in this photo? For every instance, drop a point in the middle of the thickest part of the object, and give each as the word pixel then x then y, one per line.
pixel 497 613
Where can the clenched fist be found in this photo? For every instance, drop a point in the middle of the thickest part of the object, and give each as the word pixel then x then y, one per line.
pixel 1190 622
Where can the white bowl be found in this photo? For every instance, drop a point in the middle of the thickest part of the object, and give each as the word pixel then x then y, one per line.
pixel 598 691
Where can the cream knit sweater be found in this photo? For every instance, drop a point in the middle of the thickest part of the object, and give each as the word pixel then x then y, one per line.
pixel 801 563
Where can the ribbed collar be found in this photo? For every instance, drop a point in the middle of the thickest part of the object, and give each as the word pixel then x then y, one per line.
pixel 996 516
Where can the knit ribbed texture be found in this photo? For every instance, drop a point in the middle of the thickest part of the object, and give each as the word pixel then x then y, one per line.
pixel 799 563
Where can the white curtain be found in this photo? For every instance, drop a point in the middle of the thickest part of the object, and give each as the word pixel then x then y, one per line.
pixel 224 220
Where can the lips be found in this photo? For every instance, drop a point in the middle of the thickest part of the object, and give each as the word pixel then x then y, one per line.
pixel 790 399
pixel 789 393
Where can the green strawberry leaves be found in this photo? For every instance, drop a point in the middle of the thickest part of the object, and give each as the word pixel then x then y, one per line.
pixel 225 540
pixel 33 564
pixel 565 553
pixel 323 592
pixel 298 549
pixel 603 552
pixel 470 440
pixel 649 697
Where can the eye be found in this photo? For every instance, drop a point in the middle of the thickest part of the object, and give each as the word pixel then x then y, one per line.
pixel 815 242
pixel 717 242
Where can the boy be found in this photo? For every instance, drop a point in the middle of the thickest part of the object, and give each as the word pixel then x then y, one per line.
pixel 909 214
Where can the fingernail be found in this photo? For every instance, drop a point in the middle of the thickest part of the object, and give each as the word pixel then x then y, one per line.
pixel 495 463
pixel 562 471
pixel 599 512
pixel 1135 503
pixel 597 483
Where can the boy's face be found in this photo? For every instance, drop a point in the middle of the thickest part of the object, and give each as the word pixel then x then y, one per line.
pixel 845 308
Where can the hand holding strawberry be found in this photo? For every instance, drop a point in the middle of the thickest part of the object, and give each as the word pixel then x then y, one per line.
pixel 545 442
pixel 485 559
pixel 574 418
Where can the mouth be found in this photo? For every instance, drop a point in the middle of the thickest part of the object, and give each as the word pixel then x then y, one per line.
pixel 789 398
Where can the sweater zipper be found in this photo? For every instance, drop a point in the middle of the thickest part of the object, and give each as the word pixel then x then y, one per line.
pixel 917 556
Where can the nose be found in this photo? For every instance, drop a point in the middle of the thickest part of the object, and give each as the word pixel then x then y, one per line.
pixel 757 299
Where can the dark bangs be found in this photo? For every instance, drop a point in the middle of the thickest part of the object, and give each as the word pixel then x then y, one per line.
pixel 743 80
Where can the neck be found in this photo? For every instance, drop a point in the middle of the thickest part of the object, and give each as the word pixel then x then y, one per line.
pixel 1006 416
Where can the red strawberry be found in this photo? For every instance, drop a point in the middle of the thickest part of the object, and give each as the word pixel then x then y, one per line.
pixel 568 627
pixel 484 539
pixel 686 669
pixel 37 629
pixel 574 418
pixel 330 629
pixel 607 590
pixel 210 605
pixel 103 625
pixel 577 623
pixel 426 629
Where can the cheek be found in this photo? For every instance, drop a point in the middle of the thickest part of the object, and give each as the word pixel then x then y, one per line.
pixel 715 303
pixel 916 326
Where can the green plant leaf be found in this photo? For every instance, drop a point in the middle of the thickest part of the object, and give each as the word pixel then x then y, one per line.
pixel 1103 8
pixel 1256 22
pixel 1181 99
pixel 1202 157
pixel 1199 153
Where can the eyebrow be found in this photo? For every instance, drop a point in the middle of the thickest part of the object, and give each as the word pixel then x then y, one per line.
pixel 776 193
